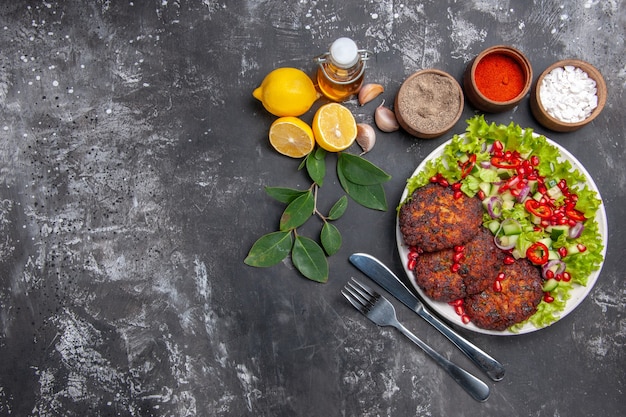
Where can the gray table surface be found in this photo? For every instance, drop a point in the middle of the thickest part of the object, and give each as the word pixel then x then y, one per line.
pixel 132 165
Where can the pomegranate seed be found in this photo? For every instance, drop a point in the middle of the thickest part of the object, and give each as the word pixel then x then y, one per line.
pixel 411 264
pixel 497 286
pixel 581 247
pixel 509 260
pixel 457 257
pixel 548 298
pixel 443 182
pixel 458 194
pixel 481 195
pixel 459 248
pixel 456 186
pixel 549 274
pixel 500 276
pixel 562 251
pixel 457 302
pixel 558 277
pixel 567 277
pixel 465 318
pixel 434 179
pixel 455 267
pixel 459 310
pixel 534 160
pixel 413 255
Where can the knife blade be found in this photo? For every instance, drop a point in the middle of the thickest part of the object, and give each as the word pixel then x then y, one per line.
pixel 383 276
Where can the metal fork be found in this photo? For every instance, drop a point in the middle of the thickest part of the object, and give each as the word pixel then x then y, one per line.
pixel 379 310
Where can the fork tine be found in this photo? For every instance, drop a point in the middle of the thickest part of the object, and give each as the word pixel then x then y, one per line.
pixel 364 289
pixel 360 294
pixel 353 300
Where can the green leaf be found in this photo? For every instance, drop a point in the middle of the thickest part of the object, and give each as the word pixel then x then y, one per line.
pixel 308 257
pixel 360 171
pixel 330 238
pixel 320 153
pixel 284 195
pixel 316 167
pixel 370 196
pixel 297 212
pixel 269 249
pixel 338 209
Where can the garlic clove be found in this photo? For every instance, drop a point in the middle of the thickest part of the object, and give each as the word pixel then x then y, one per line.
pixel 369 92
pixel 386 119
pixel 365 137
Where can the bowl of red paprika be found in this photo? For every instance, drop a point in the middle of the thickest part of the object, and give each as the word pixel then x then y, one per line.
pixel 497 79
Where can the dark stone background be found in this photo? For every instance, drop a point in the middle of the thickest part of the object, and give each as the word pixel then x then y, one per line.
pixel 132 165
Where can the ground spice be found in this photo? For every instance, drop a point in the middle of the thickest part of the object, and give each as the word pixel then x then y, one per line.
pixel 428 103
pixel 499 77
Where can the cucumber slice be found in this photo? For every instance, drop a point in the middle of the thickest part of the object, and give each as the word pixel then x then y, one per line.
pixel 511 228
pixel 485 187
pixel 550 285
pixel 493 226
pixel 557 231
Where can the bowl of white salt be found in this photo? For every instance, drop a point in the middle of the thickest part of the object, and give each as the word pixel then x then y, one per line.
pixel 568 95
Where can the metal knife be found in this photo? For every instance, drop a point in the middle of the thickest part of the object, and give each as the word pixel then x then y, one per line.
pixel 384 277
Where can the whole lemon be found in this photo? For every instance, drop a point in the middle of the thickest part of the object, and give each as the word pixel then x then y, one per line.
pixel 286 92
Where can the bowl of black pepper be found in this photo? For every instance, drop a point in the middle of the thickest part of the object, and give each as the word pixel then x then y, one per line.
pixel 568 95
pixel 429 103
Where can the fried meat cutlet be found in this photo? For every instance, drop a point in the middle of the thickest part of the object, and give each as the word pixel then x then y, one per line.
pixel 479 267
pixel 521 294
pixel 432 219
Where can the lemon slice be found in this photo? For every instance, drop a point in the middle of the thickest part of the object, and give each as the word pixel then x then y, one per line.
pixel 334 127
pixel 292 137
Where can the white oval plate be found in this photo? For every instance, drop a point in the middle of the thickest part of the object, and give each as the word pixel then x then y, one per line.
pixel 578 292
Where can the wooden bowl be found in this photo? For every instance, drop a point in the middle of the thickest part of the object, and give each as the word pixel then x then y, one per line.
pixel 552 123
pixel 477 97
pixel 429 103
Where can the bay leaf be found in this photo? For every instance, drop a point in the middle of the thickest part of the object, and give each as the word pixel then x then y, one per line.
pixel 309 258
pixel 269 249
pixel 284 194
pixel 330 238
pixel 370 196
pixel 338 209
pixel 360 171
pixel 297 212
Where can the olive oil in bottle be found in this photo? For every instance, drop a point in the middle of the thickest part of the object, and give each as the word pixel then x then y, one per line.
pixel 341 70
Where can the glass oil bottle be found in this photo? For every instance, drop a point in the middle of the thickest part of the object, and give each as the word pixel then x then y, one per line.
pixel 341 70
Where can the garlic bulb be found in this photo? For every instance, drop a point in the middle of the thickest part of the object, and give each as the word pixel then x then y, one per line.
pixel 386 119
pixel 365 137
pixel 369 92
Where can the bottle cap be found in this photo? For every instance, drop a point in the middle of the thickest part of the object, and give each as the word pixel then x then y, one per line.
pixel 344 53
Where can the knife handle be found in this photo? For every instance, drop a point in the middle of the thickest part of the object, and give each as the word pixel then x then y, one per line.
pixel 489 365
